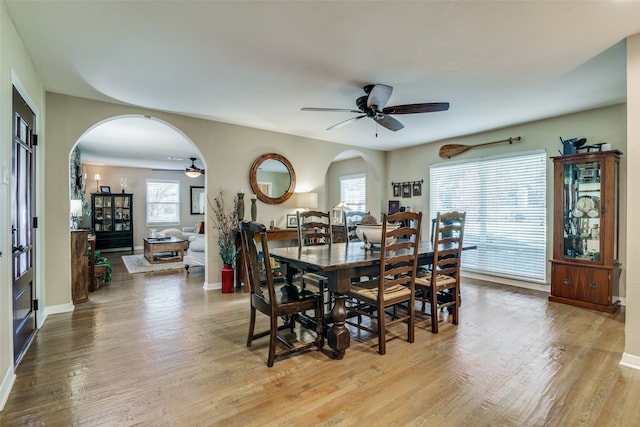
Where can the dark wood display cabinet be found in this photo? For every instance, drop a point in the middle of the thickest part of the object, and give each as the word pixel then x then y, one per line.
pixel 112 220
pixel 585 271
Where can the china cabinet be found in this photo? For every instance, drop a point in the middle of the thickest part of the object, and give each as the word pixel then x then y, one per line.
pixel 585 270
pixel 112 220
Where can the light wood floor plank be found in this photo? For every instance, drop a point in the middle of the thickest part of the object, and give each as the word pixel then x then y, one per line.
pixel 156 349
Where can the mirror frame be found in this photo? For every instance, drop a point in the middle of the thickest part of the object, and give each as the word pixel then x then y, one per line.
pixel 253 179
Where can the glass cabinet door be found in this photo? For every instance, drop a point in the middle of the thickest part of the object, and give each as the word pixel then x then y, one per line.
pixel 582 211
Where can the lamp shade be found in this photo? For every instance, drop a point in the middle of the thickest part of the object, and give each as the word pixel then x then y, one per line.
pixel 307 200
pixel 76 207
pixel 342 206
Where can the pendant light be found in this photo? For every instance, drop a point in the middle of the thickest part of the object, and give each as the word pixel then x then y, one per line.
pixel 193 171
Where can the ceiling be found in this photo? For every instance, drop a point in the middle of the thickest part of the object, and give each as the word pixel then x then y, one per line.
pixel 256 63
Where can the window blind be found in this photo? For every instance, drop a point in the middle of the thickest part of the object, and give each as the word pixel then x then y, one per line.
pixel 163 202
pixel 353 191
pixel 505 201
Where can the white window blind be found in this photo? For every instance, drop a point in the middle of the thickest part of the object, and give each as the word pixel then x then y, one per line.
pixel 353 191
pixel 163 202
pixel 505 201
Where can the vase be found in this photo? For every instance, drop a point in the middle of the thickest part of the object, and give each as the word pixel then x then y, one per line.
pixel 240 207
pixel 227 279
pixel 254 209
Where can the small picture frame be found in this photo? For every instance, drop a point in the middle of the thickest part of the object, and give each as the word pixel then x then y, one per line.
pixel 292 221
pixel 406 189
pixel 394 206
pixel 396 190
pixel 105 189
pixel 417 189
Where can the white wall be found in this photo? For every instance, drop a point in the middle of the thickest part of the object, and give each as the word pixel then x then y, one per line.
pixel 631 355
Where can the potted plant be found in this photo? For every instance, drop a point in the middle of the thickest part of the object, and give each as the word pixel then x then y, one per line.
pixel 101 268
pixel 226 224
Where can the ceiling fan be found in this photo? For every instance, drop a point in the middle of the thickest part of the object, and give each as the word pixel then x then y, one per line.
pixel 372 105
pixel 193 171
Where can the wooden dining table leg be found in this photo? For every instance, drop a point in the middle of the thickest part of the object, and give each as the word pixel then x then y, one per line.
pixel 338 336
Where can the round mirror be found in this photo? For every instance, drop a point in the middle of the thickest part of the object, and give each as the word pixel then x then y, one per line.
pixel 272 178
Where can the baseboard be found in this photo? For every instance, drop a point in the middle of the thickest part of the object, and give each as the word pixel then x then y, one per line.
pixel 507 281
pixel 212 286
pixel 6 386
pixel 60 308
pixel 630 361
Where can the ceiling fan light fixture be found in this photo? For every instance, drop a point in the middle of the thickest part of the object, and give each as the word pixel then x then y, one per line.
pixel 193 171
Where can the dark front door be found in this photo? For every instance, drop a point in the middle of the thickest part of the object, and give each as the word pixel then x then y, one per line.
pixel 22 208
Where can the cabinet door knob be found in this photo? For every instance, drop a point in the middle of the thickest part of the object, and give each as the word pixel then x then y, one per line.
pixel 593 285
pixel 566 282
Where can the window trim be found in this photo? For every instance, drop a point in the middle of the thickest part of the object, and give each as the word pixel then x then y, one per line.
pixel 178 203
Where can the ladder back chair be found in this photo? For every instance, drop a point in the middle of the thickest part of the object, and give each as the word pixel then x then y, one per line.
pixel 351 220
pixel 314 228
pixel 440 287
pixel 265 300
pixel 394 285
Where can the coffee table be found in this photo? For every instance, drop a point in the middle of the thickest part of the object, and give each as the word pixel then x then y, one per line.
pixel 163 249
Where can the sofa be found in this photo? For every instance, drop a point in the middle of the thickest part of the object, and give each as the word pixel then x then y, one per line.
pixel 194 257
pixel 186 233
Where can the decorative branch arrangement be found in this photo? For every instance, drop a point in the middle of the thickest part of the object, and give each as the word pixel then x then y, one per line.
pixel 450 150
pixel 407 189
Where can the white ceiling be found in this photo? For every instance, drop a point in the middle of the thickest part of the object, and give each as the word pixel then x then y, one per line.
pixel 256 63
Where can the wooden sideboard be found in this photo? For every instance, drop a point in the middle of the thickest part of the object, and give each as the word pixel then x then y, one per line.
pixel 337 230
pixel 79 266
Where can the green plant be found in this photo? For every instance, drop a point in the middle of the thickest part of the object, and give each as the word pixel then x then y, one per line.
pixel 226 224
pixel 98 260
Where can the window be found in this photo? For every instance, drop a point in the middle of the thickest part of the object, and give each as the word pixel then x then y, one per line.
pixel 163 202
pixel 505 201
pixel 353 191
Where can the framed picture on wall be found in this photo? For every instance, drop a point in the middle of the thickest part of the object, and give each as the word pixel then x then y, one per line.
pixel 417 189
pixel 197 200
pixel 406 189
pixel 396 190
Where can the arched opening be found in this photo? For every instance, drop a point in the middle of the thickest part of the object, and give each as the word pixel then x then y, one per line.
pixel 352 166
pixel 112 168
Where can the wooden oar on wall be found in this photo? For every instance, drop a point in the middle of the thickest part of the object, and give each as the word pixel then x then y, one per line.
pixel 451 150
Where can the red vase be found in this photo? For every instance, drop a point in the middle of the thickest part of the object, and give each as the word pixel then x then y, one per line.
pixel 227 279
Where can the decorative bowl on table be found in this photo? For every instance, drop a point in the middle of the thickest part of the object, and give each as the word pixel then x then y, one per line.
pixel 371 234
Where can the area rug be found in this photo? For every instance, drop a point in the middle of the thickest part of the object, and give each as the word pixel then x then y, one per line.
pixel 139 264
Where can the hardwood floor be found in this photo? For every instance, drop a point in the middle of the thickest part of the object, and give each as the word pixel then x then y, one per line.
pixel 156 349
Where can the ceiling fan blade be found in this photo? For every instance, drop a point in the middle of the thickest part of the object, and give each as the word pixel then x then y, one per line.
pixel 388 122
pixel 428 107
pixel 379 95
pixel 352 119
pixel 346 110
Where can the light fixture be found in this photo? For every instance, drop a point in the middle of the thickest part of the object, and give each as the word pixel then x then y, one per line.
pixel 193 171
pixel 342 207
pixel 307 200
pixel 97 177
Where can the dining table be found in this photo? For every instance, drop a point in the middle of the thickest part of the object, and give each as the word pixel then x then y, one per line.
pixel 340 263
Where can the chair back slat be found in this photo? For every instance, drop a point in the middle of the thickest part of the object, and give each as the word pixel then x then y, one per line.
pixel 448 239
pixel 252 263
pixel 351 220
pixel 314 228
pixel 399 257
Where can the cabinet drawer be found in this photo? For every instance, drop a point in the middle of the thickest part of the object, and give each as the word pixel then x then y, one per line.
pixel 581 283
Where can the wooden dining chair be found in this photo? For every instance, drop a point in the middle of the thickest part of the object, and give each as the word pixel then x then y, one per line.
pixel 314 228
pixel 265 300
pixel 351 220
pixel 393 287
pixel 440 287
